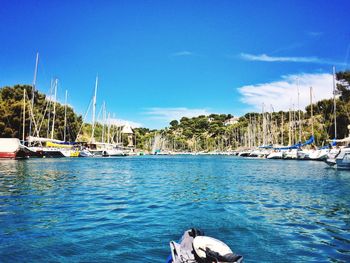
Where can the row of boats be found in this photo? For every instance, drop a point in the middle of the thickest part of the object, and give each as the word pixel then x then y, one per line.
pixel 334 155
pixel 12 148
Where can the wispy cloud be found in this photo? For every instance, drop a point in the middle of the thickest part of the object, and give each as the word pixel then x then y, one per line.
pixel 267 58
pixel 120 122
pixel 169 114
pixel 182 54
pixel 315 34
pixel 282 94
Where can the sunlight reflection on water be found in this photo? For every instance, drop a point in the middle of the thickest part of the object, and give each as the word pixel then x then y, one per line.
pixel 130 208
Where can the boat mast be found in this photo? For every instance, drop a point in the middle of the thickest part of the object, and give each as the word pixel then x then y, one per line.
pixel 33 91
pixel 312 114
pixel 294 132
pixel 290 130
pixel 109 127
pixel 335 105
pixel 54 110
pixel 65 117
pixel 103 121
pixel 271 125
pixel 259 128
pixel 94 110
pixel 264 125
pixel 49 111
pixel 24 114
pixel 299 111
pixel 282 143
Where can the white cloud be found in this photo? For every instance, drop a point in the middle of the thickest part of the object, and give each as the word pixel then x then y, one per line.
pixel 283 94
pixel 315 34
pixel 120 122
pixel 181 54
pixel 169 114
pixel 267 58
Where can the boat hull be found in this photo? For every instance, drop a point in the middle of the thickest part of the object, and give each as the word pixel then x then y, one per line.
pixel 11 148
pixel 8 155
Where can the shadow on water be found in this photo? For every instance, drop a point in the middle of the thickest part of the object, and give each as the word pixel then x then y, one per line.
pixel 120 208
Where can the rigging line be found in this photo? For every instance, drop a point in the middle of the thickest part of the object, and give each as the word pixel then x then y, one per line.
pixel 99 114
pixel 87 111
pixel 32 116
pixel 46 108
pixel 50 92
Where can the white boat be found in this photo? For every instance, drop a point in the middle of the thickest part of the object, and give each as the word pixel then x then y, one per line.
pixel 290 154
pixel 334 152
pixel 85 153
pixel 303 154
pixel 244 153
pixel 342 160
pixel 113 152
pixel 319 154
pixel 259 153
pixel 275 155
pixel 11 148
pixel 51 148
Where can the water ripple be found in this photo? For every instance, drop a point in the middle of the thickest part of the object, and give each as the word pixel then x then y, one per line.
pixel 128 209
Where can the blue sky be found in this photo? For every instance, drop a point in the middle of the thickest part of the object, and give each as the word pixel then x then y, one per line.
pixel 158 60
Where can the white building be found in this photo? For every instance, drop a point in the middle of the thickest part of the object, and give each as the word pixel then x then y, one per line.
pixel 231 121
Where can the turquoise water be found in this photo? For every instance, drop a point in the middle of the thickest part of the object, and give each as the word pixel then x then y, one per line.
pixel 128 209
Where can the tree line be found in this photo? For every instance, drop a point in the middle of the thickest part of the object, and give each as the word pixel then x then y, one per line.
pixel 201 133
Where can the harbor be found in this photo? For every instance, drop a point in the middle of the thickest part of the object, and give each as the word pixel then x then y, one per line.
pixel 174 131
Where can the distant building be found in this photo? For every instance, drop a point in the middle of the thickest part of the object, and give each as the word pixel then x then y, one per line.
pixel 231 121
pixel 129 132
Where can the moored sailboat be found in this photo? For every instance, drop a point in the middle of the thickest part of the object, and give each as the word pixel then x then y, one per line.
pixel 11 148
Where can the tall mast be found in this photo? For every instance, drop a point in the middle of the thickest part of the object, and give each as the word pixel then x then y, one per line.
pixel 24 115
pixel 49 111
pixel 295 134
pixel 271 125
pixel 259 131
pixel 335 104
pixel 299 111
pixel 65 117
pixel 282 143
pixel 94 110
pixel 264 125
pixel 103 121
pixel 33 91
pixel 312 114
pixel 290 130
pixel 54 110
pixel 109 128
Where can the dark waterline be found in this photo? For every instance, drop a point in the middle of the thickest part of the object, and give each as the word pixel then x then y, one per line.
pixel 128 209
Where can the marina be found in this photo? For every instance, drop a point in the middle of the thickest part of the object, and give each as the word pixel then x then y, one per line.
pixel 174 131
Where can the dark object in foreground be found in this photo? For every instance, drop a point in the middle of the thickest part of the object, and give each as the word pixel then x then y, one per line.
pixel 197 248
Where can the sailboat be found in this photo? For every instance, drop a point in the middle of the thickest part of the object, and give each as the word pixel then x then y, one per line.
pixel 338 157
pixel 12 148
pixel 50 147
pixel 329 151
pixel 103 148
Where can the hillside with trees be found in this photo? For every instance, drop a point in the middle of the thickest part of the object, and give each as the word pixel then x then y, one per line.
pixel 215 132
pixel 11 115
pixel 201 133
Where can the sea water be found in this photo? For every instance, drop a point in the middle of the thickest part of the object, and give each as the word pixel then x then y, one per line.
pixel 128 209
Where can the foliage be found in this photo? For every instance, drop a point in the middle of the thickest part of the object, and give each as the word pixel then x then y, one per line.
pixel 11 115
pixel 202 133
